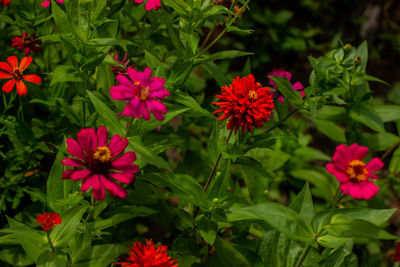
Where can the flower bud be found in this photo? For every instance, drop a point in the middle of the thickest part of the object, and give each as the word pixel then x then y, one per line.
pixel 357 60
pixel 347 47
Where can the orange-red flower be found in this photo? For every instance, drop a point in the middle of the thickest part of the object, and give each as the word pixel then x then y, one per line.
pixel 48 220
pixel 246 103
pixel 148 255
pixel 15 73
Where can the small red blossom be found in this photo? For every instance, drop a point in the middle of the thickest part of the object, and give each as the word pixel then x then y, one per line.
pixel 15 73
pixel 150 4
pixel 27 42
pixel 246 103
pixel 148 255
pixel 396 256
pixel 5 2
pixel 99 162
pixel 124 62
pixel 353 173
pixel 48 220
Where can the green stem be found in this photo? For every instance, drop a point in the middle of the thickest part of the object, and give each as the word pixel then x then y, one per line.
pixel 128 127
pixel 21 109
pixel 216 164
pixel 208 37
pixel 49 240
pixel 282 121
pixel 387 152
pixel 222 33
pixel 84 114
pixel 303 255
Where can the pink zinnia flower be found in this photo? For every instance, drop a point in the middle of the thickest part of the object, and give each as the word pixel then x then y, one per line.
pixel 151 4
pixel 98 163
pixel 141 92
pixel 282 73
pixel 47 2
pixel 353 173
pixel 5 2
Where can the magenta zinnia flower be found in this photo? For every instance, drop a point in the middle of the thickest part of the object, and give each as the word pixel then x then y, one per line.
pixel 47 2
pixel 151 4
pixel 141 92
pixel 353 173
pixel 282 73
pixel 98 163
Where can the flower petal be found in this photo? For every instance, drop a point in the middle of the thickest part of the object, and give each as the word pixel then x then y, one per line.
pixel 13 61
pixel 75 149
pixel 117 145
pixel 72 162
pixel 4 75
pixel 67 173
pixel 33 78
pixel 6 67
pixel 102 136
pixel 124 177
pixel 97 186
pixel 25 62
pixel 8 86
pixel 87 139
pixel 374 165
pixel 340 175
pixel 87 183
pixel 368 189
pixel 126 159
pixel 113 188
pixel 21 88
pixel 80 174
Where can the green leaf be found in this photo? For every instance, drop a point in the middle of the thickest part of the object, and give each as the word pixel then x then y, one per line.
pixel 15 256
pixel 303 204
pixel 207 228
pixel 65 73
pixel 33 241
pixel 394 166
pixel 368 117
pixel 63 233
pixel 124 214
pixel 146 155
pixel 101 255
pixel 108 116
pixel 180 6
pixel 285 88
pixel 388 112
pixel 379 141
pixel 317 178
pixel 154 124
pixel 337 257
pixel 342 227
pixel 331 130
pixel 60 18
pixel 362 51
pixel 227 255
pixel 330 241
pixel 190 102
pixel 57 188
pixel 49 259
pixel 227 54
pixel 281 218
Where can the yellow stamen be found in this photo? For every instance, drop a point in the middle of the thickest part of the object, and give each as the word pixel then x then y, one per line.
pixel 137 83
pixel 102 154
pixel 356 170
pixel 253 95
pixel 144 93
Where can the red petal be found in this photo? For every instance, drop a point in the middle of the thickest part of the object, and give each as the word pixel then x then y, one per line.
pixel 13 61
pixel 4 75
pixel 5 67
pixel 25 62
pixel 33 78
pixel 8 86
pixel 21 88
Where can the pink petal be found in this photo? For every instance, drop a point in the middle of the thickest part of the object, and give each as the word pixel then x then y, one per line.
pixel 144 111
pixel 374 165
pixel 340 175
pixel 360 152
pixel 72 162
pixel 126 159
pixel 157 84
pixel 60 1
pixel 46 3
pixel 80 174
pixel 345 187
pixel 75 149
pixel 132 168
pixel 138 1
pixel 132 108
pixel 67 173
pixel 117 145
pixel 122 92
pixel 356 191
pixel 113 188
pixel 87 183
pixel 122 79
pixel 87 139
pixel 297 86
pixel 368 189
pixel 102 136
pixel 97 187
pixel 124 177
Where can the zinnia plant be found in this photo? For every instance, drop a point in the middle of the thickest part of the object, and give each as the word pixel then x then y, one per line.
pixel 98 162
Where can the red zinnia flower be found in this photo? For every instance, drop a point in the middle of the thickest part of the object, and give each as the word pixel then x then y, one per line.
pixel 100 162
pixel 27 42
pixel 148 255
pixel 5 2
pixel 353 174
pixel 48 220
pixel 246 103
pixel 15 73
pixel 396 256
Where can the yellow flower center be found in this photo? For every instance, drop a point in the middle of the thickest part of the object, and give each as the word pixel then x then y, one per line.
pixel 102 154
pixel 137 83
pixel 356 171
pixel 144 93
pixel 253 95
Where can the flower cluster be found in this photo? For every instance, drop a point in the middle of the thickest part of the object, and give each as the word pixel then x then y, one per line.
pixel 48 220
pixel 147 255
pixel 98 162
pixel 246 103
